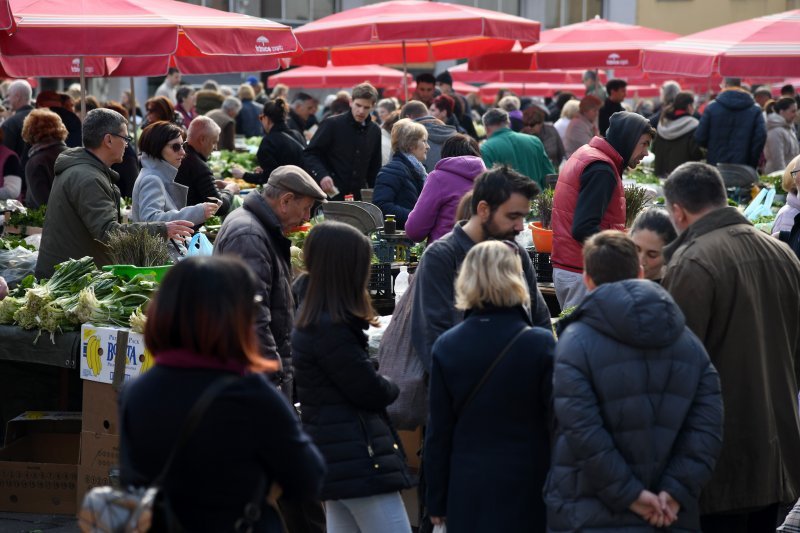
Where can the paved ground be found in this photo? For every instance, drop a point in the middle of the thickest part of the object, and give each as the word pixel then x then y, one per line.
pixel 34 523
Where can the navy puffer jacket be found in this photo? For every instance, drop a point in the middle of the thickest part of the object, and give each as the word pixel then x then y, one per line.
pixel 397 188
pixel 638 406
pixel 343 407
pixel 733 129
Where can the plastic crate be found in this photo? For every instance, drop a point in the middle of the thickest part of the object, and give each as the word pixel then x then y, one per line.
pixel 542 265
pixel 380 281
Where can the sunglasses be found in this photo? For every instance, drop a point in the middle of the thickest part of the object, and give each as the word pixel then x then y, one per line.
pixel 794 173
pixel 177 147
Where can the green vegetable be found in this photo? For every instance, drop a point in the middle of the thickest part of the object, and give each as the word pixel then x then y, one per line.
pixel 764 219
pixel 10 242
pixel 213 220
pixel 32 218
pixel 138 247
pixel 635 200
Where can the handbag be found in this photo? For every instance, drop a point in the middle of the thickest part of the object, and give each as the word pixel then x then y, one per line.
pixel 400 363
pixel 137 510
pixel 460 409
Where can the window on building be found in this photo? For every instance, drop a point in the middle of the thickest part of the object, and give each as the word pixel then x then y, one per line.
pixel 563 12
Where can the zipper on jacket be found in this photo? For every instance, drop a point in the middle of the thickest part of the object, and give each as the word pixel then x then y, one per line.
pixel 370 450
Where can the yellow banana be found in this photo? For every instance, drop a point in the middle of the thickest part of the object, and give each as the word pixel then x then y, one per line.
pixel 147 363
pixel 93 355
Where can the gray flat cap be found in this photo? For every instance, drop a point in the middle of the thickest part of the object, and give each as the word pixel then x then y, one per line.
pixel 294 179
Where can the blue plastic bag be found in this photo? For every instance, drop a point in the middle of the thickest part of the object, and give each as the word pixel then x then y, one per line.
pixel 199 245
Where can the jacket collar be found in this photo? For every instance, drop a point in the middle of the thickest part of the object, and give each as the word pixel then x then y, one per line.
pixel 604 146
pixel 191 151
pixel 96 162
pixel 356 124
pixel 719 218
pixel 164 170
pixel 517 311
pixel 501 132
pixel 257 204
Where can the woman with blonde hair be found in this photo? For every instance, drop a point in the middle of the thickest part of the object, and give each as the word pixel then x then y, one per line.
pixel 790 183
pixel 490 388
pixel 399 182
pixel 568 112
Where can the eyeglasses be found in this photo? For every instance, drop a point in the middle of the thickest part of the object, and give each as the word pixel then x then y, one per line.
pixel 127 138
pixel 794 173
pixel 177 147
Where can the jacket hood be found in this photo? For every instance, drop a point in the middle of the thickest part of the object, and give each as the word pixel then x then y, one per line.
pixel 735 99
pixel 80 156
pixel 468 167
pixel 673 129
pixel 624 130
pixel 639 313
pixel 438 133
pixel 39 147
pixel 774 121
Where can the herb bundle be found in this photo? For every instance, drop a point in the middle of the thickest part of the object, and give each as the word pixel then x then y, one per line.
pixel 138 247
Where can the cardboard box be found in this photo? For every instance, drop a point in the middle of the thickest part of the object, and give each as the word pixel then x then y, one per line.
pixel 99 350
pixel 38 465
pixel 100 408
pixel 99 455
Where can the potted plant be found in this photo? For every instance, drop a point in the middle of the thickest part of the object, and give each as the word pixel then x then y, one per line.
pixel 541 230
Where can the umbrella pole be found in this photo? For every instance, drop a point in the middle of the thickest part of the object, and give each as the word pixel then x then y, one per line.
pixel 405 74
pixel 83 89
pixel 133 110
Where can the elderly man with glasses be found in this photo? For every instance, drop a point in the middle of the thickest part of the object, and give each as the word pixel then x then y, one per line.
pixel 84 204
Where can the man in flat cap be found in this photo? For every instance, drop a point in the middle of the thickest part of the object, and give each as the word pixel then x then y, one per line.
pixel 257 234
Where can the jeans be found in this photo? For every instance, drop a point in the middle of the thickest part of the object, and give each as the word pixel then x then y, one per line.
pixel 382 513
pixel 570 289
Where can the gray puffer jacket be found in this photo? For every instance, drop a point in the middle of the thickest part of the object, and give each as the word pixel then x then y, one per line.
pixel 157 198
pixel 638 406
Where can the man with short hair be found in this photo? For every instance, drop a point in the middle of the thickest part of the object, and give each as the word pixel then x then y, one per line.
pixel 194 172
pixel 500 202
pixel 524 153
pixel 84 204
pixel 19 102
pixel 762 95
pixel 170 85
pixel 425 91
pixel 740 291
pixel 438 131
pixel 225 117
pixel 344 155
pixel 732 127
pixel 589 197
pixel 617 90
pixel 303 106
pixel 593 85
pixel 626 367
pixel 185 106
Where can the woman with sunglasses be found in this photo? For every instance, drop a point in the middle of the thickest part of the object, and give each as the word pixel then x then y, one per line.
pixel 490 387
pixel 156 196
pixel 280 145
pixel 160 108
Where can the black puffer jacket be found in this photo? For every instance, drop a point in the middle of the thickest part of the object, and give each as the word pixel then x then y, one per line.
pixel 281 146
pixel 343 402
pixel 638 406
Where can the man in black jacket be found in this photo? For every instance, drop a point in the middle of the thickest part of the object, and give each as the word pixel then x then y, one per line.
pixel 617 90
pixel 344 155
pixel 201 140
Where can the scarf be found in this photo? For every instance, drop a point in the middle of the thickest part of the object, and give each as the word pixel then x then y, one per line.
pixel 417 164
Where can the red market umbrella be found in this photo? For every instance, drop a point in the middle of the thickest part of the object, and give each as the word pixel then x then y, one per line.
pixel 464 73
pixel 594 44
pixel 131 28
pixel 410 31
pixel 766 46
pixel 330 76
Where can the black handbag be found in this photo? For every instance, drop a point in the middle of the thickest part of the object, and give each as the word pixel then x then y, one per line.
pixel 111 510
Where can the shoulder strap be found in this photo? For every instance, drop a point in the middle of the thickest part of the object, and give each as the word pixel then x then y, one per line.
pixel 195 415
pixel 489 370
pixel 294 139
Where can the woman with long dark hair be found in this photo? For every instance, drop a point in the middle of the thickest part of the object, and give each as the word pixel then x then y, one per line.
pixel 249 441
pixel 343 398
pixel 674 143
pixel 280 145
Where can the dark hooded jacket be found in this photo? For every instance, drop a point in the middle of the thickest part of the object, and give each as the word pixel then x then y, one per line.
pixel 598 180
pixel 397 187
pixel 733 129
pixel 438 133
pixel 638 406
